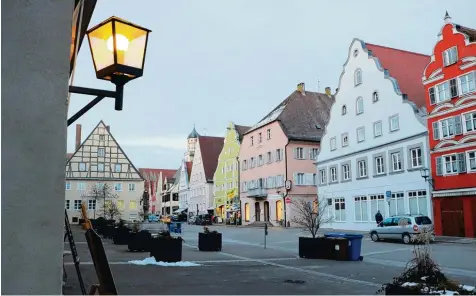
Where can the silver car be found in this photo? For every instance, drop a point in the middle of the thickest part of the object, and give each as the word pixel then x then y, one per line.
pixel 403 227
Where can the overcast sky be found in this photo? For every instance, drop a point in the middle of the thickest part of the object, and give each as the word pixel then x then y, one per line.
pixel 214 61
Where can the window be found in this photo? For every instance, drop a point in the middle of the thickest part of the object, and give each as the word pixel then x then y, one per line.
pixel 339 209
pixel 300 179
pixel 356 53
pixel 397 204
pixel 379 165
pixel 450 56
pixel 77 204
pixel 269 157
pixel 314 152
pixel 416 159
pixel 314 179
pixel 470 121
pixel 345 172
pixel 377 203
pixel 358 77
pixel 448 127
pixel 81 186
pixel 101 152
pixel 100 167
pixel 323 177
pixel 472 161
pixel 245 165
pixel 117 167
pixel 333 143
pixel 453 88
pixel 360 134
pixel 451 165
pixel 102 137
pixel 396 161
pixel 260 138
pixel 299 153
pixel 82 167
pixel 431 92
pixel 67 204
pixel 252 141
pixel 68 186
pixel 362 167
pixel 260 160
pixel 132 205
pixel 100 186
pixel 443 91
pixel 345 139
pixel 279 154
pixel 468 83
pixel 268 134
pixel 377 129
pixel 118 186
pixel 333 173
pixel 131 187
pixel 417 201
pixel 360 209
pixel 394 123
pixel 252 162
pixel 344 110
pixel 359 105
pixel 375 97
pixel 91 204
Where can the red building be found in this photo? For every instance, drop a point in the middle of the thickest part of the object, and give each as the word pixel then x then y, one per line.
pixel 154 179
pixel 450 85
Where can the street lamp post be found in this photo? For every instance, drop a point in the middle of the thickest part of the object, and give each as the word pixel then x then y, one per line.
pixel 118 49
pixel 425 174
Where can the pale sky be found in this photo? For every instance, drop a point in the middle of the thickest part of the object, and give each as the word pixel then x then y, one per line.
pixel 214 61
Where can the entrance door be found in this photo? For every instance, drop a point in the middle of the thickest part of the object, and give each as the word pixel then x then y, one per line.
pixel 452 218
pixel 279 210
pixel 257 212
pixel 266 211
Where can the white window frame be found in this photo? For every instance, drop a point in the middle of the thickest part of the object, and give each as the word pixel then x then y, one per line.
pixel 472 121
pixel 448 54
pixel 469 159
pixel 361 202
pixel 345 172
pixel 377 124
pixel 299 153
pixel 416 161
pixel 101 152
pixel 116 166
pixel 467 82
pixel 362 168
pixel 77 204
pixel 333 143
pixel 279 154
pixel 131 187
pixel 394 123
pixel 358 77
pixel 418 194
pixel 67 185
pixel 269 157
pixel 92 204
pixel 102 137
pixel 396 196
pixel 453 164
pixel 345 139
pixel 379 169
pixel 300 179
pixel 443 88
pixel 67 204
pixel 260 160
pixel 322 176
pixel 268 134
pixel 333 174
pixel 359 106
pixel 101 165
pixel 360 134
pixel 314 153
pixel 448 125
pixel 82 166
pixel 396 161
pixel 118 187
pixel 338 202
pixel 376 198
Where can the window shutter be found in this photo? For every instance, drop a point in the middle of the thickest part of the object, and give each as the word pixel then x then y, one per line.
pixel 265 183
pixel 309 179
pixel 295 153
pixel 295 178
pixel 310 153
pixel 271 158
pixel 458 125
pixel 305 152
pixel 432 96
pixel 453 88
pixel 461 163
pixel 439 166
pixel 436 130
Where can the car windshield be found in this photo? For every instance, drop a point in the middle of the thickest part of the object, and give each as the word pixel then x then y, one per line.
pixel 423 220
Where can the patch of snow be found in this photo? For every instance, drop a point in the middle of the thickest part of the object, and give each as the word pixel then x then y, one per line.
pixel 447 292
pixel 409 284
pixel 151 261
pixel 468 288
pixel 423 278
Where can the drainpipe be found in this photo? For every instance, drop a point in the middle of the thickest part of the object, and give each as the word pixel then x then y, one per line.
pixel 239 189
pixel 285 179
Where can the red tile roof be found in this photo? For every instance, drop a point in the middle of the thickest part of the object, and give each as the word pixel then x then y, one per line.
pixel 153 174
pixel 189 168
pixel 210 148
pixel 406 67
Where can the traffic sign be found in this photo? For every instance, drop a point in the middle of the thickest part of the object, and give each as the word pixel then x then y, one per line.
pixel 388 195
pixel 288 200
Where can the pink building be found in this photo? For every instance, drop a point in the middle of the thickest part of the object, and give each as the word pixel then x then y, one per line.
pixel 282 147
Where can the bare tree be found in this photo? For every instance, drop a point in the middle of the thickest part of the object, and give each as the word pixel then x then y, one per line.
pixel 310 215
pixel 100 192
pixel 112 211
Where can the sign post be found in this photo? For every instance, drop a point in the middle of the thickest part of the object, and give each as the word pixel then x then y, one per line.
pixel 265 234
pixel 388 196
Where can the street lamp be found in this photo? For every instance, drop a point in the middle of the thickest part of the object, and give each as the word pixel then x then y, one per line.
pixel 118 49
pixel 425 174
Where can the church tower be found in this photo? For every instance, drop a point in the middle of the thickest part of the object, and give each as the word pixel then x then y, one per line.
pixel 191 143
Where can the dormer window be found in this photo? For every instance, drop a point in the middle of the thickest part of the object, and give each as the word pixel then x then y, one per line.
pixel 375 97
pixel 359 105
pixel 344 110
pixel 450 56
pixel 358 77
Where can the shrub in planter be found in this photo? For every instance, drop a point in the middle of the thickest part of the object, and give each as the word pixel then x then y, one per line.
pixel 209 241
pixel 121 235
pixel 166 248
pixel 139 241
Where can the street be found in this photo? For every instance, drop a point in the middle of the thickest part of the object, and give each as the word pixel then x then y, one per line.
pixel 245 267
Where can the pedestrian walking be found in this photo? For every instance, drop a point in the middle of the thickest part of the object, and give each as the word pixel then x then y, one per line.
pixel 378 218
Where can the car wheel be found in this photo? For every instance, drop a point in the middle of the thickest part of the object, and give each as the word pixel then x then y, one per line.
pixel 406 238
pixel 374 237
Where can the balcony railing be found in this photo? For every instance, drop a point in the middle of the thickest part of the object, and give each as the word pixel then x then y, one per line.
pixel 257 192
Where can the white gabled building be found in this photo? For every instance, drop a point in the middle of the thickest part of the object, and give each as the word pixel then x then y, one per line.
pixel 376 140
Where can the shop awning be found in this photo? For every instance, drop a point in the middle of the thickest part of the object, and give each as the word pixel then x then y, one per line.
pixel 180 210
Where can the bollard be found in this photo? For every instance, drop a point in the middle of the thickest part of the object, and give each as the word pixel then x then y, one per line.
pixel 265 234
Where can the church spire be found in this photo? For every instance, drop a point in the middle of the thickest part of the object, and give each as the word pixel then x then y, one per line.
pixel 447 18
pixel 193 134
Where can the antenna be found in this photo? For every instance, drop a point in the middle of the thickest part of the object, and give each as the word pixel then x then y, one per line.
pixel 318 83
pixel 204 131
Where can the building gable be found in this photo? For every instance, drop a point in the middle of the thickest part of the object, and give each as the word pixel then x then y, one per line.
pixel 197 175
pixel 100 157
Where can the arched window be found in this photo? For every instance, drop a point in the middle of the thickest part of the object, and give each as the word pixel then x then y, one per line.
pixel 358 77
pixel 375 97
pixel 344 110
pixel 359 105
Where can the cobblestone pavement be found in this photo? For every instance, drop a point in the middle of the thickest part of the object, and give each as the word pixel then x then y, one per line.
pixel 245 267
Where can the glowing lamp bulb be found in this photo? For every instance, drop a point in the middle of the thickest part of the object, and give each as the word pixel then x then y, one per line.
pixel 121 43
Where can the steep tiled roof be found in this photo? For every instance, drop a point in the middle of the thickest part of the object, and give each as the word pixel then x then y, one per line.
pixel 241 129
pixel 189 168
pixel 210 147
pixel 303 115
pixel 406 67
pixel 153 174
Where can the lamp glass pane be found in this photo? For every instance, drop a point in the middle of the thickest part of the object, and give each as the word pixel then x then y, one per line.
pixel 102 56
pixel 130 44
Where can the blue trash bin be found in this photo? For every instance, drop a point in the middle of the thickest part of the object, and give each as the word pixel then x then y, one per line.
pixel 175 227
pixel 355 244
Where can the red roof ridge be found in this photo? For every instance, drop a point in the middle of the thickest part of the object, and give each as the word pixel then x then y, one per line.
pixel 398 49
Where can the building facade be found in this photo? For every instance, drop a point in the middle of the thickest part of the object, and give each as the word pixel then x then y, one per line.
pixel 375 143
pixel 154 182
pixel 191 145
pixel 282 147
pixel 184 184
pixel 170 195
pixel 205 159
pixel 450 84
pixel 226 176
pixel 100 162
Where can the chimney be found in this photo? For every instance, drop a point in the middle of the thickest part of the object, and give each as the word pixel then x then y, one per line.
pixel 328 91
pixel 108 128
pixel 301 88
pixel 78 136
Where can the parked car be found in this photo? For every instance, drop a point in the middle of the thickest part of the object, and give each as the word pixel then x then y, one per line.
pixel 191 220
pixel 179 217
pixel 392 228
pixel 203 219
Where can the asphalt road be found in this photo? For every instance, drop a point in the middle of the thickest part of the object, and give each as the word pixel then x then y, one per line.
pixel 245 267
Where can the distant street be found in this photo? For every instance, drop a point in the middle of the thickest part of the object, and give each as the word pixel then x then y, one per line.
pixel 245 267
